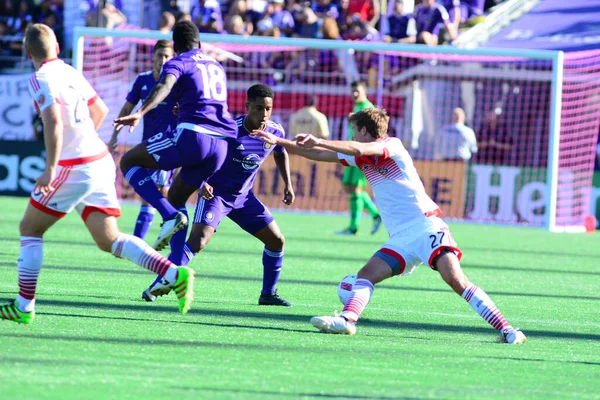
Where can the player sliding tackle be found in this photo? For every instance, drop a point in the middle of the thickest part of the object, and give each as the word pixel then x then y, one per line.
pixel 198 83
pixel 79 174
pixel 230 195
pixel 417 234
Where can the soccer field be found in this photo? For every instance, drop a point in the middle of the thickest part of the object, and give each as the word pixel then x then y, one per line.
pixel 95 338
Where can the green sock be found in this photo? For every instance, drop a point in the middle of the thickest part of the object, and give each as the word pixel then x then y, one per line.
pixel 356 208
pixel 369 204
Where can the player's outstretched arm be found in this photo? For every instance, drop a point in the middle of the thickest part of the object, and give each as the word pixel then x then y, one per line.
pixel 53 139
pixel 318 154
pixel 98 111
pixel 125 110
pixel 348 147
pixel 282 161
pixel 158 94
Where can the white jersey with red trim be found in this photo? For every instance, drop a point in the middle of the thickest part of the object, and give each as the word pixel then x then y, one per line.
pixel 59 83
pixel 399 192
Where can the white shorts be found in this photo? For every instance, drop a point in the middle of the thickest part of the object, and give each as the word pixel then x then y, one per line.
pixel 417 244
pixel 86 187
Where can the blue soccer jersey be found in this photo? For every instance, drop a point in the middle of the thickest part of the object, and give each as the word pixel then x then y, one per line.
pixel 161 118
pixel 201 91
pixel 245 154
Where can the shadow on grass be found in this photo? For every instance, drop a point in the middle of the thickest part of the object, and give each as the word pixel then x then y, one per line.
pixel 247 392
pixel 345 241
pixel 128 268
pixel 298 318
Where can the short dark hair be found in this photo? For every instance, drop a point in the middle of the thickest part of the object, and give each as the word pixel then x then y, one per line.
pixel 358 83
pixel 185 36
pixel 259 91
pixel 375 120
pixel 162 44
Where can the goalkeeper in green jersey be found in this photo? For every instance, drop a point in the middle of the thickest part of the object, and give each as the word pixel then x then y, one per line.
pixel 353 180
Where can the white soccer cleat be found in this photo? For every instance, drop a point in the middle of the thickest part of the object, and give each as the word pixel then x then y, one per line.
pixel 512 336
pixel 168 229
pixel 160 288
pixel 335 324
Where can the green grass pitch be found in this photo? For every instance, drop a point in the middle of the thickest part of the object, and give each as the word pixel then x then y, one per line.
pixel 94 338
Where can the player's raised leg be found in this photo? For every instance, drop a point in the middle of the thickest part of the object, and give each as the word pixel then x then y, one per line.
pixel 32 228
pixel 106 234
pixel 135 164
pixel 449 268
pixel 178 195
pixel 376 270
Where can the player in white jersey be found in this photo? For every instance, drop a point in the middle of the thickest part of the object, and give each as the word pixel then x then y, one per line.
pixel 79 174
pixel 417 234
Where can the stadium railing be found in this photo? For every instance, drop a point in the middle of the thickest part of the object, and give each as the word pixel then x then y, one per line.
pixel 535 114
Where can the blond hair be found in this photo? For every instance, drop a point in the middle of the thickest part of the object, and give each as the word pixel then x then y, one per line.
pixel 40 41
pixel 375 120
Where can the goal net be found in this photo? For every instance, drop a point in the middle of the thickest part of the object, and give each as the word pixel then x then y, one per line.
pixel 497 136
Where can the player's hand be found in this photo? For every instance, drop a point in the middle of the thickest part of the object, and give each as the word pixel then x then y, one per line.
pixel 176 110
pixel 206 192
pixel 44 181
pixel 113 143
pixel 131 120
pixel 264 136
pixel 288 196
pixel 306 140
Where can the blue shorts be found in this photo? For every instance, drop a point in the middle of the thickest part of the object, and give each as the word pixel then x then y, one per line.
pixel 248 212
pixel 198 154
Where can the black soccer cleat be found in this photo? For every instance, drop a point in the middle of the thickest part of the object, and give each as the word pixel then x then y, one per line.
pixel 273 300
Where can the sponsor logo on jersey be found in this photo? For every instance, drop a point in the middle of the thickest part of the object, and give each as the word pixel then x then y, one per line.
pixel 144 87
pixel 41 99
pixel 241 147
pixel 208 216
pixel 250 162
pixel 156 157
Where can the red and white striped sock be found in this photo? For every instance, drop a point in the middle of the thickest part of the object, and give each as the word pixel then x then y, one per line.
pixel 29 266
pixel 136 250
pixel 484 306
pixel 358 300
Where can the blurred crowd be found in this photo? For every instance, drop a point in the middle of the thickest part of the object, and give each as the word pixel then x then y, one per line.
pixel 431 22
pixel 16 15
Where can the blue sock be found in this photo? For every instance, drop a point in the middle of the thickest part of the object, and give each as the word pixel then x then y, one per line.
pixel 143 185
pixel 272 261
pixel 184 259
pixel 177 241
pixel 144 220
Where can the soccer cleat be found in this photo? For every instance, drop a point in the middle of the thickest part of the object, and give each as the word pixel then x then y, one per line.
pixel 159 287
pixel 335 324
pixel 184 288
pixel 272 300
pixel 512 336
pixel 168 229
pixel 376 224
pixel 11 312
pixel 346 232
pixel 146 295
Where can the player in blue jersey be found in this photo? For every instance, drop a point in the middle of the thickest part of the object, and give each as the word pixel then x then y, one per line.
pixel 199 85
pixel 160 119
pixel 229 194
